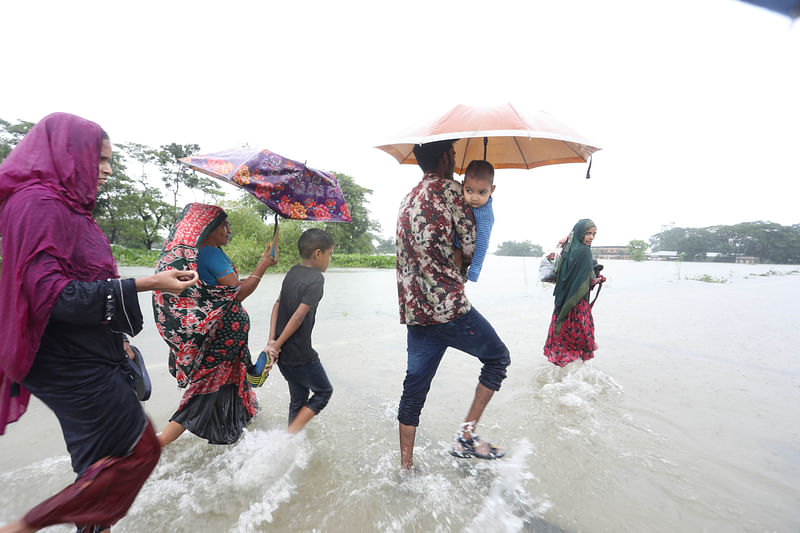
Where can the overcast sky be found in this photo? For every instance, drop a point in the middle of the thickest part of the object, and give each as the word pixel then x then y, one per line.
pixel 694 102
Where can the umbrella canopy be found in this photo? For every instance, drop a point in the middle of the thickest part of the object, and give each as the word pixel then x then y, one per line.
pixel 502 135
pixel 289 188
pixel 790 8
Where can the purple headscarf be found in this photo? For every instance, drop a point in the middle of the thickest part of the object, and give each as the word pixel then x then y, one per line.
pixel 48 187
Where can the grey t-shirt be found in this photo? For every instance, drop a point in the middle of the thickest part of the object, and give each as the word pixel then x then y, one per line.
pixel 302 284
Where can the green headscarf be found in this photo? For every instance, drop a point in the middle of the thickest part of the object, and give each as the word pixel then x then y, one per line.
pixel 575 272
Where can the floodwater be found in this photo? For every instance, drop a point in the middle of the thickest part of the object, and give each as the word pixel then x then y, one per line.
pixel 686 420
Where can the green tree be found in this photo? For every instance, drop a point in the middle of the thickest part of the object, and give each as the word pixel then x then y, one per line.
pixel 141 206
pixel 694 243
pixel 11 134
pixel 113 210
pixel 250 234
pixel 637 250
pixel 176 175
pixel 768 241
pixel 153 216
pixel 668 239
pixel 256 206
pixel 519 249
pixel 386 246
pixel 355 237
pixel 731 241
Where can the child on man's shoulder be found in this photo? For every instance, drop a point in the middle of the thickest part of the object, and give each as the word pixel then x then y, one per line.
pixel 478 187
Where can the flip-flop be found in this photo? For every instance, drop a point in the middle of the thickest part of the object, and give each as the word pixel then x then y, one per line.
pixel 92 529
pixel 257 375
pixel 140 376
pixel 468 449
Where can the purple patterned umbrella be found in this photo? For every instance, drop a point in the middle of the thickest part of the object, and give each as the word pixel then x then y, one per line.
pixel 289 188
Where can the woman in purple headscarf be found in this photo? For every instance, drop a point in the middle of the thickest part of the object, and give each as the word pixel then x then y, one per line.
pixel 65 311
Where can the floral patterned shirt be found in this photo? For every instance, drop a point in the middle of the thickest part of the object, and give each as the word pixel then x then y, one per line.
pixel 430 287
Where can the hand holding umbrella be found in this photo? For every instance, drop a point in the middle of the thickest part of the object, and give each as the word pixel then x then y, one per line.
pixel 271 251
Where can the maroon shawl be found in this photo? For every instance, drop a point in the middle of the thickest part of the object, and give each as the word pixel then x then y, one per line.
pixel 48 187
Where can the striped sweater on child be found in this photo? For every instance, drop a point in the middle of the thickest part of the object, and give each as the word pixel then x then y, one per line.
pixel 484 219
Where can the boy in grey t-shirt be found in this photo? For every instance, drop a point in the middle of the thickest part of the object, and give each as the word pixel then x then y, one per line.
pixel 291 324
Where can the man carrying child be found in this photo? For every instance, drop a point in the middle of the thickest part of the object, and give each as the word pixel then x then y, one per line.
pixel 433 304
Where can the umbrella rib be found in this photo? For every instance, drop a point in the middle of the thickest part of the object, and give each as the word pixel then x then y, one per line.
pixel 521 153
pixel 464 157
pixel 569 145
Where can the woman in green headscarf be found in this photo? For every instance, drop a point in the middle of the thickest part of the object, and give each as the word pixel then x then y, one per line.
pixel 571 334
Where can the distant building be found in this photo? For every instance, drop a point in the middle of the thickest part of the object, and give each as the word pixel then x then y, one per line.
pixel 610 252
pixel 663 255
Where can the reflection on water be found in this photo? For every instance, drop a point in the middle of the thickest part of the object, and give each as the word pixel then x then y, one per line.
pixel 686 420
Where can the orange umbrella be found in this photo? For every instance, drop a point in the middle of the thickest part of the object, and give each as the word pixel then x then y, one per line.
pixel 501 135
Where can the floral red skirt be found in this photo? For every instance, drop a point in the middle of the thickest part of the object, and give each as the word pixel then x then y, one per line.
pixel 219 402
pixel 576 338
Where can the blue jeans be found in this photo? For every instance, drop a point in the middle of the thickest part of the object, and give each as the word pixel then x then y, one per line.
pixel 470 333
pixel 310 377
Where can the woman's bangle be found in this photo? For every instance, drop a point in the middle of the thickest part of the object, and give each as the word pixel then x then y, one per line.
pixel 254 276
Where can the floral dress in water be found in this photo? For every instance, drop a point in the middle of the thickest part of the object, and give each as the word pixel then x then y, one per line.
pixel 206 330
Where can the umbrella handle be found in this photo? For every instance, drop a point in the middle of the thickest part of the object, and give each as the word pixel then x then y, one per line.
pixel 274 236
pixel 589 170
pixel 599 286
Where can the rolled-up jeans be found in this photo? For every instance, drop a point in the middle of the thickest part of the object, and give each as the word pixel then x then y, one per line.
pixel 303 380
pixel 471 334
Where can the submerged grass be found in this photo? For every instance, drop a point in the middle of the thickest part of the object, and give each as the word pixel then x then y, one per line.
pixel 134 256
pixel 149 258
pixel 362 261
pixel 709 279
pixel 772 272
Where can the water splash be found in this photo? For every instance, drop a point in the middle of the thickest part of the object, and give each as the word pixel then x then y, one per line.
pixel 577 385
pixel 508 507
pixel 26 486
pixel 213 487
